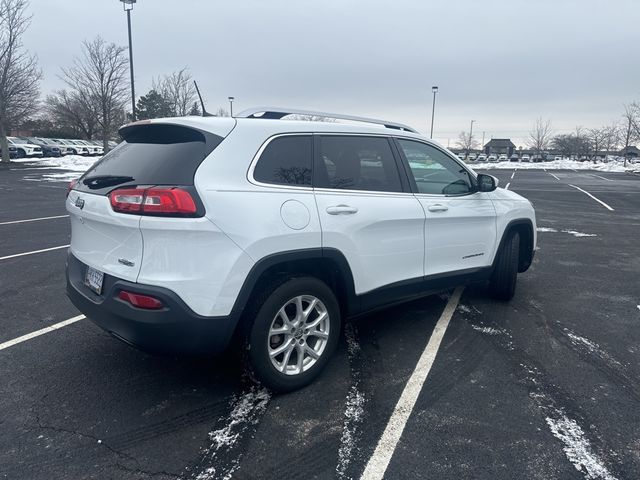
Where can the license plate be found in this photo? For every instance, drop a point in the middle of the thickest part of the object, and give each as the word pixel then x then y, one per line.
pixel 93 279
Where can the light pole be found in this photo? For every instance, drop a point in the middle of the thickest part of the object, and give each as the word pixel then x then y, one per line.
pixel 470 138
pixel 128 6
pixel 231 99
pixel 434 89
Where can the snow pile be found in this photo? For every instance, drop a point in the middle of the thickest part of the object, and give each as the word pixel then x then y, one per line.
pixel 72 163
pixel 613 166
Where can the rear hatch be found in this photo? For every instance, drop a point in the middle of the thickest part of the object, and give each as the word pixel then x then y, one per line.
pixel 153 157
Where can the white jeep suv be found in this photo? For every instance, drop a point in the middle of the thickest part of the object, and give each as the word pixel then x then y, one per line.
pixel 196 231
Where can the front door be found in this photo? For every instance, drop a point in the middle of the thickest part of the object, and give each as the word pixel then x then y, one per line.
pixel 460 227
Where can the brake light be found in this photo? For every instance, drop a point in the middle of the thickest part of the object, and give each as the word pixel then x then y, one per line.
pixel 170 201
pixel 140 301
pixel 71 185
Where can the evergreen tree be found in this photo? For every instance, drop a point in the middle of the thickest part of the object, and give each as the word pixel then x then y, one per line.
pixel 153 105
pixel 195 109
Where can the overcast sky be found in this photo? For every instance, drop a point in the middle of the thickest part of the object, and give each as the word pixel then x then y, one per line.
pixel 502 63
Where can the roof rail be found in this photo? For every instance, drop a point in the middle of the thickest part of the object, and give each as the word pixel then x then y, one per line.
pixel 275 113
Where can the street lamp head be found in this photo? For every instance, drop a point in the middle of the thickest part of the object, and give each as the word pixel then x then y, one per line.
pixel 231 99
pixel 434 89
pixel 128 4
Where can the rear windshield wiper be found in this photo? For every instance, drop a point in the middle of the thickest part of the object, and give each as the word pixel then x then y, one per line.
pixel 100 181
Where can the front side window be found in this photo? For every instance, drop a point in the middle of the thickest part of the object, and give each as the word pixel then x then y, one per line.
pixel 286 161
pixel 357 163
pixel 434 171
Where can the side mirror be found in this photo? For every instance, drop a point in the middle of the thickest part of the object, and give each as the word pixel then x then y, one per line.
pixel 486 183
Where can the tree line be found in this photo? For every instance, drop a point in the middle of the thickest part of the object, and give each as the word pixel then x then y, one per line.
pixel 582 142
pixel 96 94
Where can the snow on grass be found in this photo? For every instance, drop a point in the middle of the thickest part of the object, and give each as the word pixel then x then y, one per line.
pixel 354 408
pixel 577 448
pixel 613 166
pixel 579 234
pixel 75 163
pixel 246 411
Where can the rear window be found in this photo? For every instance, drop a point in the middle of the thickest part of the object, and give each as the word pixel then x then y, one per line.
pixel 150 155
pixel 286 161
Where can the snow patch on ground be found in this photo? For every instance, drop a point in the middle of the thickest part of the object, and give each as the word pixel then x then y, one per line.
pixel 246 411
pixel 490 330
pixel 463 309
pixel 613 166
pixel 579 234
pixel 575 233
pixel 578 449
pixel 354 408
pixel 592 347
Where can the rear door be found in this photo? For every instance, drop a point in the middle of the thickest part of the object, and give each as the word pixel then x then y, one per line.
pixel 460 227
pixel 367 211
pixel 150 155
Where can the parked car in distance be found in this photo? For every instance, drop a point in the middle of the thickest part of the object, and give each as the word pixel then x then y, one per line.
pixel 525 158
pixel 72 148
pixel 556 158
pixel 47 150
pixel 91 147
pixel 64 150
pixel 79 148
pixel 461 156
pixel 98 145
pixel 514 158
pixel 13 153
pixel 482 158
pixel 266 231
pixel 492 158
pixel 503 158
pixel 472 157
pixel 24 149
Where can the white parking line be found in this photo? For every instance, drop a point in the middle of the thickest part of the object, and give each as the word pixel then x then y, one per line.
pixel 507 186
pixel 607 179
pixel 37 333
pixel 596 199
pixel 379 461
pixel 553 176
pixel 35 251
pixel 33 220
pixel 513 174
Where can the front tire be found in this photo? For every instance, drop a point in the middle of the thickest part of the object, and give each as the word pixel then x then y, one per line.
pixel 294 334
pixel 502 285
pixel 21 153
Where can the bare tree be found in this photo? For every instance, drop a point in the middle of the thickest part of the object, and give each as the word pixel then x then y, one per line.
pixel 178 90
pixel 611 138
pixel 630 129
pixel 596 139
pixel 19 72
pixel 466 141
pixel 69 111
pixel 540 136
pixel 221 112
pixel 99 77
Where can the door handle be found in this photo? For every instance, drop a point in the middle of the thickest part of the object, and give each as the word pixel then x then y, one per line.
pixel 341 210
pixel 438 207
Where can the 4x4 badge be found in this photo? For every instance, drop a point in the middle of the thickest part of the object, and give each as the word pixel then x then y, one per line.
pixel 79 203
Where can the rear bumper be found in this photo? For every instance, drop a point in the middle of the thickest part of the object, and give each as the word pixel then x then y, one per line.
pixel 173 329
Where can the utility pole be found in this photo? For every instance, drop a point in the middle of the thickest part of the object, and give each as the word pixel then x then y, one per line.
pixel 128 6
pixel 470 138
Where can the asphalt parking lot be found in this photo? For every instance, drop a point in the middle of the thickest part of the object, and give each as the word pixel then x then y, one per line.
pixel 546 386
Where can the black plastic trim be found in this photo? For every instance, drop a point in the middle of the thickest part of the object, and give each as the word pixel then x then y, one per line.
pixel 523 266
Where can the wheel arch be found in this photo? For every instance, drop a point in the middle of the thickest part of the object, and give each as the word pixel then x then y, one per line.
pixel 523 226
pixel 326 264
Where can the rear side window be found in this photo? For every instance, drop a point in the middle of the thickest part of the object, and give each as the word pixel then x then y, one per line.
pixel 357 163
pixel 151 155
pixel 286 161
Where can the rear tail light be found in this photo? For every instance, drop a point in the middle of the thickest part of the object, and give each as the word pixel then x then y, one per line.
pixel 168 201
pixel 72 184
pixel 140 301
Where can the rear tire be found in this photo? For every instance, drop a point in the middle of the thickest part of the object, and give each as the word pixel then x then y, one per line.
pixel 502 285
pixel 294 334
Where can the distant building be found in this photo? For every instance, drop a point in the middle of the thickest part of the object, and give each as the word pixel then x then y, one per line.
pixel 630 152
pixel 500 146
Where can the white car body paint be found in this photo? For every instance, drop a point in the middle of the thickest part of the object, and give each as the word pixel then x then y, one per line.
pixel 392 237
